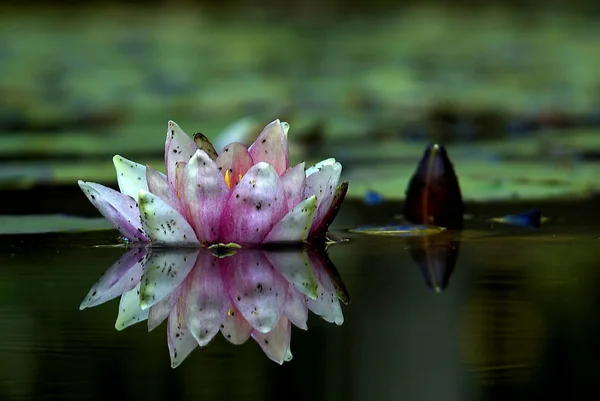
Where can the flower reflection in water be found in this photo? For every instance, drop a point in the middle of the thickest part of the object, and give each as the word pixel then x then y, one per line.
pixel 242 293
pixel 436 256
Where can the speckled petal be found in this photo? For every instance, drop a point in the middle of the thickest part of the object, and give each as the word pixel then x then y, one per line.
pixel 323 184
pixel 130 312
pixel 323 163
pixel 121 210
pixel 296 308
pixel 321 229
pixel 257 290
pixel 327 304
pixel 235 328
pixel 271 147
pixel 163 224
pixel 254 207
pixel 206 301
pixel 158 185
pixel 179 147
pixel 297 268
pixel 204 194
pixel 121 277
pixel 235 158
pixel 295 225
pixel 161 310
pixel 131 176
pixel 180 341
pixel 276 343
pixel 165 271
pixel 293 182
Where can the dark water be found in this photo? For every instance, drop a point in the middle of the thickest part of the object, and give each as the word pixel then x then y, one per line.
pixel 517 316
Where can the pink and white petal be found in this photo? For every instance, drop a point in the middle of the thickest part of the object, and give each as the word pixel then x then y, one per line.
pixel 257 290
pixel 331 213
pixel 323 163
pixel 206 299
pixel 235 159
pixel 158 185
pixel 160 311
pixel 121 210
pixel 180 341
pixel 204 194
pixel 163 224
pixel 296 308
pixel 254 207
pixel 276 343
pixel 121 277
pixel 130 312
pixel 179 147
pixel 131 176
pixel 295 225
pixel 293 182
pixel 235 328
pixel 323 184
pixel 297 268
pixel 271 147
pixel 327 304
pixel 165 271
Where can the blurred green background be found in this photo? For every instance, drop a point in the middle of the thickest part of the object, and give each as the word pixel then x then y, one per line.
pixel 512 88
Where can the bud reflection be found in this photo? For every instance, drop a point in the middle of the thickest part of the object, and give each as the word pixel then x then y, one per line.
pixel 436 256
pixel 245 293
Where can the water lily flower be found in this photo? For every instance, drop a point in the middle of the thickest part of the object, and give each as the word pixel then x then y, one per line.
pixel 249 293
pixel 245 196
pixel 433 195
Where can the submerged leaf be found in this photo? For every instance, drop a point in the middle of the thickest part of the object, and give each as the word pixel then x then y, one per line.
pixel 530 218
pixel 398 231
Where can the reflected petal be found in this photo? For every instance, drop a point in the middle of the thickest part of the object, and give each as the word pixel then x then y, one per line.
pixel 206 299
pixel 296 267
pixel 276 343
pixel 121 277
pixel 296 308
pixel 161 310
pixel 235 328
pixel 327 304
pixel 256 288
pixel 130 311
pixel 165 271
pixel 180 341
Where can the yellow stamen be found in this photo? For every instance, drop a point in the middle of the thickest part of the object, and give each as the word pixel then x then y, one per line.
pixel 227 179
pixel 229 312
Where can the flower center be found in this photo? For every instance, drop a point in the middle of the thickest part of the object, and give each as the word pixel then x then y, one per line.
pixel 228 179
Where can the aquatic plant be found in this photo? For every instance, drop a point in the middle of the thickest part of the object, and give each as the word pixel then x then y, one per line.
pixel 245 196
pixel 433 196
pixel 241 293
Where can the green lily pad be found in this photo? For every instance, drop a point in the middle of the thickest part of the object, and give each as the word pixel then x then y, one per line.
pixel 38 224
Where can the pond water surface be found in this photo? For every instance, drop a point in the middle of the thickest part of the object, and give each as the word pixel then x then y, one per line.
pixel 489 313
